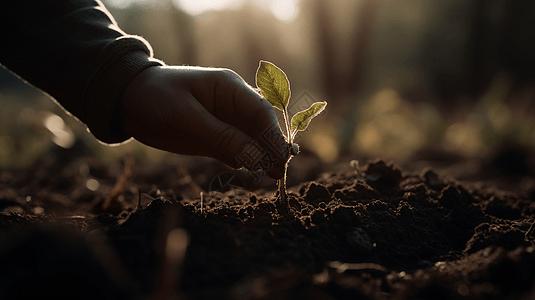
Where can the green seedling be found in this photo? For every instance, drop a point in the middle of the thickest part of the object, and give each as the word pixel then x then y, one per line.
pixel 275 87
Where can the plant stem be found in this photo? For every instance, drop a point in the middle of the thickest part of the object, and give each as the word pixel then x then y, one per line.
pixel 287 125
pixel 282 183
pixel 282 187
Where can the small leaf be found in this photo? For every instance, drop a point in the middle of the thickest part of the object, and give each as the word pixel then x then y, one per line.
pixel 274 84
pixel 301 119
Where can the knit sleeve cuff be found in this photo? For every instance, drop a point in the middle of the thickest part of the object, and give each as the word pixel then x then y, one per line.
pixel 103 94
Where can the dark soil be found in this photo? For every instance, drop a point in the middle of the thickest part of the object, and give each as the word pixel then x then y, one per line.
pixel 438 227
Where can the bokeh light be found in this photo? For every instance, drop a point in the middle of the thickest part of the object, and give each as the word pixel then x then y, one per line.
pixel 284 10
pixel 388 127
pixel 62 135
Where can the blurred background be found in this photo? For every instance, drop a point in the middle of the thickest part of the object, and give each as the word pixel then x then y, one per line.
pixel 400 77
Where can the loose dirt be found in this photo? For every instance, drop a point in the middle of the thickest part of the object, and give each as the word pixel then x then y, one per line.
pixel 422 229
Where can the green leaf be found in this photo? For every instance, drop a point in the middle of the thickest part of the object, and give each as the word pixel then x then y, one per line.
pixel 274 84
pixel 301 119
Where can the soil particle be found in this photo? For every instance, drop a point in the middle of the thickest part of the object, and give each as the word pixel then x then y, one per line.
pixel 383 177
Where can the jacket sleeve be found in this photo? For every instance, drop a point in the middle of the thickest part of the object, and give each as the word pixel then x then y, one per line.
pixel 74 51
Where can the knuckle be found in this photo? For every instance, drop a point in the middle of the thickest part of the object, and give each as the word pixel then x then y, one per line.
pixel 229 74
pixel 227 83
pixel 229 78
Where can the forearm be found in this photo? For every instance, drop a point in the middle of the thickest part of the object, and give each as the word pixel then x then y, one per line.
pixel 74 51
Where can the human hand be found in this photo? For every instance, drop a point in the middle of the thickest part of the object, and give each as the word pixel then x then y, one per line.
pixel 201 111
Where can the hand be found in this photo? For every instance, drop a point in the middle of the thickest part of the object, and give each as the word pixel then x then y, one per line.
pixel 201 111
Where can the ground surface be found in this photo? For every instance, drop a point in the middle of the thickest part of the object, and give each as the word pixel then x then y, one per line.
pixel 432 227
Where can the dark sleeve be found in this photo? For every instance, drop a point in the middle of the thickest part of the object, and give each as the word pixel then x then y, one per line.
pixel 74 51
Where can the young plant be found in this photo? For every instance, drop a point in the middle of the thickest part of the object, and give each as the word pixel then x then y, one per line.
pixel 275 87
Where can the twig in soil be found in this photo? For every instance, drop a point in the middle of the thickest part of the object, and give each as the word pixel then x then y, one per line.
pixel 71 217
pixel 138 201
pixel 188 187
pixel 202 202
pixel 448 215
pixel 171 242
pixel 530 231
pixel 149 196
pixel 174 253
pixel 121 183
pixel 342 267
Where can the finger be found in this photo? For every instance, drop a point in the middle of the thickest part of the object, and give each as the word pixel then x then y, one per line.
pixel 258 111
pixel 196 133
pixel 187 146
pixel 234 147
pixel 184 145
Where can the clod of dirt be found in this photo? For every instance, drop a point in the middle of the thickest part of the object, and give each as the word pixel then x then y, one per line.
pixel 315 193
pixel 432 180
pixel 358 192
pixel 384 177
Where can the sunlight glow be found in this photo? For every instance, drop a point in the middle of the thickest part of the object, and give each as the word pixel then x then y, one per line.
pixel 120 4
pixel 124 4
pixel 284 10
pixel 196 7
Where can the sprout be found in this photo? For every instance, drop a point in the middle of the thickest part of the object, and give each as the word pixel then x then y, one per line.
pixel 275 87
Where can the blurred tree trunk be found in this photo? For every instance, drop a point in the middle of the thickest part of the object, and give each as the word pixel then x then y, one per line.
pixel 358 68
pixel 360 45
pixel 326 48
pixel 185 28
pixel 482 51
pixel 342 85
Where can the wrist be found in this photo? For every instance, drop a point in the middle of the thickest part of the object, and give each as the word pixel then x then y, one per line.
pixel 102 101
